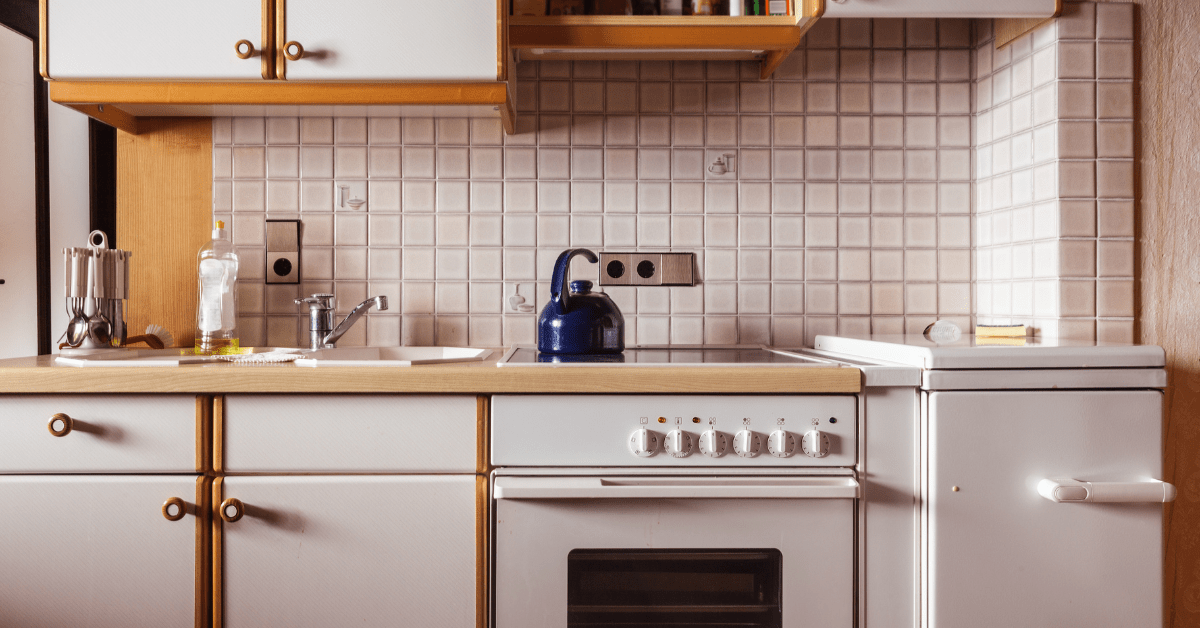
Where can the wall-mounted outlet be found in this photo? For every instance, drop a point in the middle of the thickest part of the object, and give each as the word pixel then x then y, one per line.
pixel 283 251
pixel 647 269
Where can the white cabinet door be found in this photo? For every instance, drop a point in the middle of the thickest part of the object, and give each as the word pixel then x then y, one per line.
pixel 152 39
pixel 939 8
pixel 385 40
pixel 97 551
pixel 350 551
pixel 1000 554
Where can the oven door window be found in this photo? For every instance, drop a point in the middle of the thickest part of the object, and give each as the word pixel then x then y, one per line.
pixel 682 587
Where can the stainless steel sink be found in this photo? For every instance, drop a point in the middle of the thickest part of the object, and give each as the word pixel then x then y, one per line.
pixel 391 356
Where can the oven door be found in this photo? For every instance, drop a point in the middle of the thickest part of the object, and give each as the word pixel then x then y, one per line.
pixel 635 551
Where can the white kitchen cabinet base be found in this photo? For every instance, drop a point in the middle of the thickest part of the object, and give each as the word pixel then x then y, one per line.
pixel 96 551
pixel 326 551
pixel 1002 555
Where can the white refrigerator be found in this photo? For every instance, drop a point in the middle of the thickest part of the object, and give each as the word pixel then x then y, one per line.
pixel 1040 480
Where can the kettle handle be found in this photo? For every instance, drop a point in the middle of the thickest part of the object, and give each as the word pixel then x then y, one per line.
pixel 558 284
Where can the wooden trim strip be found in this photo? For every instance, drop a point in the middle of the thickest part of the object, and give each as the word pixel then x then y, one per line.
pixel 204 434
pixel 267 43
pixel 682 37
pixel 481 551
pixel 750 22
pixel 273 93
pixel 482 416
pixel 772 61
pixel 218 431
pixel 508 117
pixel 502 40
pixel 203 551
pixel 449 379
pixel 44 38
pixel 280 39
pixel 218 547
pixel 108 114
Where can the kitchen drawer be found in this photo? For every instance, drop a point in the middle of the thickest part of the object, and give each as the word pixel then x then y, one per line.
pixel 349 434
pixel 108 434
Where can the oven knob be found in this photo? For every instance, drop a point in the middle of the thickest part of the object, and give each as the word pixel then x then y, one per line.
pixel 781 444
pixel 746 444
pixel 678 444
pixel 643 443
pixel 815 444
pixel 713 444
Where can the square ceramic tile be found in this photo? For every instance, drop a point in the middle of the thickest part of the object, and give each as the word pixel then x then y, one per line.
pixel 282 130
pixel 316 130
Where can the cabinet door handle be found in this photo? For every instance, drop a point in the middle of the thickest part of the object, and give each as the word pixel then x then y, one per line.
pixel 62 420
pixel 232 509
pixel 174 509
pixel 244 49
pixel 293 56
pixel 1066 490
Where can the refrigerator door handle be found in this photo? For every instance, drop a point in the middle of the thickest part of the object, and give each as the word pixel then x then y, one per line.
pixel 1066 490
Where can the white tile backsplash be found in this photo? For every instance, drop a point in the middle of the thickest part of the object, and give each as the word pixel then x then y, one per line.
pixel 847 204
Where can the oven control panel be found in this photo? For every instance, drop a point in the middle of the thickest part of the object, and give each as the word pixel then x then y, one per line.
pixel 674 430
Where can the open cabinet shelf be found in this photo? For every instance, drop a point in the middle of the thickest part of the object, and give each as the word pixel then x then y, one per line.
pixel 768 39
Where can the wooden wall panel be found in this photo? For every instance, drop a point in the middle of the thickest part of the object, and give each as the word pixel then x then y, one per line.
pixel 164 215
pixel 1167 184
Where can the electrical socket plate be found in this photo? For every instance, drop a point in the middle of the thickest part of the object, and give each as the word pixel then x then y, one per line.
pixel 647 269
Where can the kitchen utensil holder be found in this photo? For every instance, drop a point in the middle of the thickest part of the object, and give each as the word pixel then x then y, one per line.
pixel 106 268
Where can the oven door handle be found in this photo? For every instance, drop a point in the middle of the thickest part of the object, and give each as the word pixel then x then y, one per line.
pixel 1066 490
pixel 675 488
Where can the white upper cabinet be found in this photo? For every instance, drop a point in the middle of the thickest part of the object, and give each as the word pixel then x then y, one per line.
pixel 940 8
pixel 385 40
pixel 152 39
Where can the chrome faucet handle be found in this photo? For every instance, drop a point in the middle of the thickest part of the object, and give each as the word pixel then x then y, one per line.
pixel 319 301
pixel 379 302
pixel 320 318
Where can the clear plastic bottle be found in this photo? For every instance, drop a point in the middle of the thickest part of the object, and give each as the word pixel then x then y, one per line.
pixel 216 307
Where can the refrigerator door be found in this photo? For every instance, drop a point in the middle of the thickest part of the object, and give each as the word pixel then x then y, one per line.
pixel 999 552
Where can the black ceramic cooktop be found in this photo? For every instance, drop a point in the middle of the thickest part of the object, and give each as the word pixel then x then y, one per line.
pixel 678 356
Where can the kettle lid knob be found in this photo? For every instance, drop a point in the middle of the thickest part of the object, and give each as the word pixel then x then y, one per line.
pixel 581 286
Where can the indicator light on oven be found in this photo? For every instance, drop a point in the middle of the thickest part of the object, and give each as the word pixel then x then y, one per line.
pixel 833 419
pixel 662 419
pixel 695 419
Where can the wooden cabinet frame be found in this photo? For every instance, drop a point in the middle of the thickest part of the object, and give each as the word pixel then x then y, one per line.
pixel 118 103
pixel 213 544
pixel 770 39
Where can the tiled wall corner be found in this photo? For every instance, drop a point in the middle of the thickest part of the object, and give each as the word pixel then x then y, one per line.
pixel 1054 176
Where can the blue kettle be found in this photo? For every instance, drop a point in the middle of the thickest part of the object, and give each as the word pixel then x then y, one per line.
pixel 579 321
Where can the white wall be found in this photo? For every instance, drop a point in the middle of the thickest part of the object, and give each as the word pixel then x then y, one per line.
pixel 68 201
pixel 18 295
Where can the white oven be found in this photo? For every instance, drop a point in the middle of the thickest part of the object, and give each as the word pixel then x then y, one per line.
pixel 724 511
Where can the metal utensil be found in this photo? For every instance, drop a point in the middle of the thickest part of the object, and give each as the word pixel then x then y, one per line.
pixel 77 328
pixel 99 327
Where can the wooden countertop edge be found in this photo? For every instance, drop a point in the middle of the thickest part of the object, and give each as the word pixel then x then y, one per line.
pixel 478 379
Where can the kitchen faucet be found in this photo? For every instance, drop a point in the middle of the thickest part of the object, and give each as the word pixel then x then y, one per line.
pixel 321 332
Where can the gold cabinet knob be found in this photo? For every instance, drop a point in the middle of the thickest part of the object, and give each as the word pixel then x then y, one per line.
pixel 232 509
pixel 174 509
pixel 293 56
pixel 244 49
pixel 60 424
